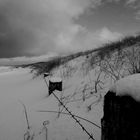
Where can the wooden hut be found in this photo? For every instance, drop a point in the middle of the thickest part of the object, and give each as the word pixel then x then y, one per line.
pixel 121 119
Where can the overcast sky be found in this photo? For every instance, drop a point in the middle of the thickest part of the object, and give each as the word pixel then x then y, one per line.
pixel 38 27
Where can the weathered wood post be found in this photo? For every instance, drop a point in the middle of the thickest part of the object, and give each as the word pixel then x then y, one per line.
pixel 45 123
pixel 55 83
pixel 121 120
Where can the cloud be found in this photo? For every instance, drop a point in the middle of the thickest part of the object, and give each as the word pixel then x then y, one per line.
pixel 106 35
pixel 26 60
pixel 36 27
pixel 135 4
pixel 32 27
pixel 79 38
pixel 128 2
pixel 72 38
pixel 113 0
pixel 76 38
pixel 138 15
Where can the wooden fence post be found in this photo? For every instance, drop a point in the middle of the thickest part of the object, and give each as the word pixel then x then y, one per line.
pixel 121 120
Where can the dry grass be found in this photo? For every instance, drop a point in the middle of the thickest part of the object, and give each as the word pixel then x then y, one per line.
pixel 105 50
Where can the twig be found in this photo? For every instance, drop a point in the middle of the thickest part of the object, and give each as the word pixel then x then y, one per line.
pixel 26 116
pixel 69 115
pixel 77 121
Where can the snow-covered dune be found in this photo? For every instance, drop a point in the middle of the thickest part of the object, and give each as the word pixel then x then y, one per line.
pixel 4 69
pixel 17 86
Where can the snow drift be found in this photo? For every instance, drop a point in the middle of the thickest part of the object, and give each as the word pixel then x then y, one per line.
pixel 18 86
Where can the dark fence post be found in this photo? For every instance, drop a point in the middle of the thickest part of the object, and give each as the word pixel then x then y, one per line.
pixel 121 120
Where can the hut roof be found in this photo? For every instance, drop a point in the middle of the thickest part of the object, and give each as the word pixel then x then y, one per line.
pixel 128 86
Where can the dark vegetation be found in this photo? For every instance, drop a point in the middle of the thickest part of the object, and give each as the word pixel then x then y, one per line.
pixel 94 55
pixel 42 67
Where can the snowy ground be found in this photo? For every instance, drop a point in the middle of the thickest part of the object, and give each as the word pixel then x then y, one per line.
pixel 17 85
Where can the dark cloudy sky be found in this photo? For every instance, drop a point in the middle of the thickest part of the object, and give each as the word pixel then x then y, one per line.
pixel 38 27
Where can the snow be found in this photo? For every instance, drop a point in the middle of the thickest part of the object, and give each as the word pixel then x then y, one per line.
pixel 55 79
pixel 4 69
pixel 129 85
pixel 17 86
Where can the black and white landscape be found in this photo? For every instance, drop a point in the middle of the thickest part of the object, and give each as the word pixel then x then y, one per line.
pixel 87 44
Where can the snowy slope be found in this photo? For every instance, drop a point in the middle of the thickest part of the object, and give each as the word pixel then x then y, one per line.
pixel 128 86
pixel 4 69
pixel 17 85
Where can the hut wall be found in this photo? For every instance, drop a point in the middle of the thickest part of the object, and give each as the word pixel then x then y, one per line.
pixel 121 120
